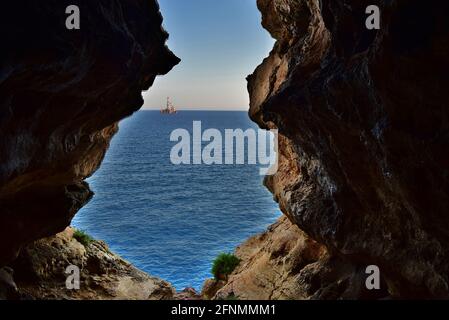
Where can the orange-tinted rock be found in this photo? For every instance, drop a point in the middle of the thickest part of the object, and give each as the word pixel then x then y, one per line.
pixel 284 263
pixel 211 287
pixel 41 266
pixel 187 294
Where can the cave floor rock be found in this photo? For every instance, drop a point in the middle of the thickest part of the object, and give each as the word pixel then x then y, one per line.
pixel 39 272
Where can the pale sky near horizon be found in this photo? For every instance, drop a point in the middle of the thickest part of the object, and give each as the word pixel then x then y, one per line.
pixel 220 43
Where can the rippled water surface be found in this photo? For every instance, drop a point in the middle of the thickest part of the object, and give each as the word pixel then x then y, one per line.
pixel 172 221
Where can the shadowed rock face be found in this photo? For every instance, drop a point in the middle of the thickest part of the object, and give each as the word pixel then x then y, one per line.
pixel 62 93
pixel 364 120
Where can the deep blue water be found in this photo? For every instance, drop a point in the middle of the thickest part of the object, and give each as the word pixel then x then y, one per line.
pixel 172 221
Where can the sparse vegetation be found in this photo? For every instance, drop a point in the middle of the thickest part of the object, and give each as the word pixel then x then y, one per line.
pixel 82 237
pixel 224 265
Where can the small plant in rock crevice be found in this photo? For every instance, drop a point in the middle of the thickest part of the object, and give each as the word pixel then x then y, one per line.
pixel 82 237
pixel 224 265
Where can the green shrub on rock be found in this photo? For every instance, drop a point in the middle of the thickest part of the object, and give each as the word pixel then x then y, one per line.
pixel 224 265
pixel 82 237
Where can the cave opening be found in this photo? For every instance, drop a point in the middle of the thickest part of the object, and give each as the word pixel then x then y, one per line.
pixel 172 221
pixel 362 139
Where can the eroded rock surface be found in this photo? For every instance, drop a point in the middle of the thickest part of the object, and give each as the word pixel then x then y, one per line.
pixel 39 272
pixel 271 264
pixel 363 119
pixel 284 263
pixel 62 93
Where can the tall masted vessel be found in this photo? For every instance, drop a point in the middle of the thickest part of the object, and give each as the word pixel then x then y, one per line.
pixel 169 108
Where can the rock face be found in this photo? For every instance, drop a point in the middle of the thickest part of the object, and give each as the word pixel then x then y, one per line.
pixel 62 93
pixel 363 121
pixel 211 287
pixel 8 288
pixel 187 294
pixel 271 264
pixel 285 264
pixel 39 272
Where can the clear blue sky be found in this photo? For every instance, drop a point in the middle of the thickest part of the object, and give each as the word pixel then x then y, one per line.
pixel 220 42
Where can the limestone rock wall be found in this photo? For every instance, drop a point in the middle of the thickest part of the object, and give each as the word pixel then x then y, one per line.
pixel 62 93
pixel 284 263
pixel 39 272
pixel 363 120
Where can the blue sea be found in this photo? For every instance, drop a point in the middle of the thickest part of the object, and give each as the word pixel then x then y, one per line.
pixel 172 221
